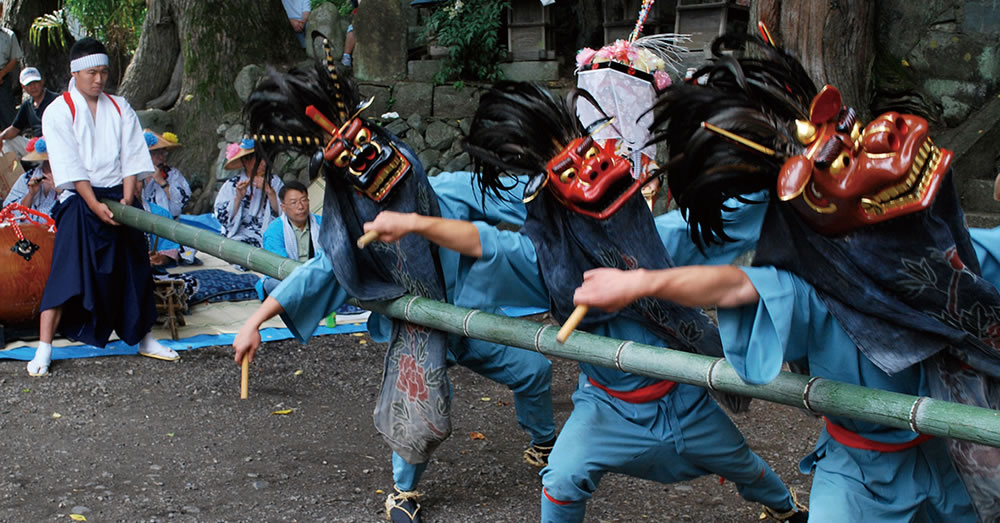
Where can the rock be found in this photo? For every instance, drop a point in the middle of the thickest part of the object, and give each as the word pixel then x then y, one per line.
pixel 327 20
pixel 465 124
pixel 397 127
pixel 235 133
pixel 412 97
pixel 450 102
pixel 156 119
pixel 433 171
pixel 246 80
pixel 429 158
pixel 440 135
pixel 459 163
pixel 380 54
pixel 79 509
pixel 417 122
pixel 423 70
pixel 261 484
pixel 415 139
pixel 380 104
pixel 531 71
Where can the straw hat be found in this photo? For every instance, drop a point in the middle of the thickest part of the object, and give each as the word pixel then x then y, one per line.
pixel 160 141
pixel 36 149
pixel 236 151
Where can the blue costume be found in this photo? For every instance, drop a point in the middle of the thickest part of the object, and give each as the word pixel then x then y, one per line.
pixel 681 435
pixel 312 290
pixel 884 486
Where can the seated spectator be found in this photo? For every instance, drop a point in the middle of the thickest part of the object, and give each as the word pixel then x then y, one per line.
pixel 28 121
pixel 293 235
pixel 35 189
pixel 163 252
pixel 167 187
pixel 298 14
pixel 246 204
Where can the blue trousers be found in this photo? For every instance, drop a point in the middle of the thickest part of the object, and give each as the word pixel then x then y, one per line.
pixel 918 484
pixel 527 374
pixel 682 436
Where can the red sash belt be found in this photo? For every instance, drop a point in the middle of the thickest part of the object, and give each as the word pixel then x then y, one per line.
pixel 641 395
pixel 856 441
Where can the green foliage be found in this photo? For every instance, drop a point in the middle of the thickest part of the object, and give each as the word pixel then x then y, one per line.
pixel 115 22
pixel 344 7
pixel 470 30
pixel 53 25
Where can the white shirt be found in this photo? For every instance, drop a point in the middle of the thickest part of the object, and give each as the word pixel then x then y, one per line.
pixel 102 150
pixel 296 8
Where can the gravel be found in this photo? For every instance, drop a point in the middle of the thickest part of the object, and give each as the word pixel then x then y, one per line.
pixel 137 439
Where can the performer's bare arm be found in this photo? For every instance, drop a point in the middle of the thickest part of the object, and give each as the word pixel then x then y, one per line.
pixel 248 338
pixel 459 236
pixel 85 191
pixel 693 286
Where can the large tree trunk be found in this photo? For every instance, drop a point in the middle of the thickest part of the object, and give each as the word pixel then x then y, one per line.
pixel 53 62
pixel 833 39
pixel 212 41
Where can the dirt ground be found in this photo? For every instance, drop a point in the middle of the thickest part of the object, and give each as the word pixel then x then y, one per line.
pixel 135 439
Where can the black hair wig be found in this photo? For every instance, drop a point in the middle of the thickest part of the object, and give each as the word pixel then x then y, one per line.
pixel 517 129
pixel 275 111
pixel 757 97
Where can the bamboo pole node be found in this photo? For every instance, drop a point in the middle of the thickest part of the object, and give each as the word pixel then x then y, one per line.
pixel 618 355
pixel 711 371
pixel 805 395
pixel 915 411
pixel 465 322
pixel 574 319
pixel 367 238
pixel 538 338
pixel 245 378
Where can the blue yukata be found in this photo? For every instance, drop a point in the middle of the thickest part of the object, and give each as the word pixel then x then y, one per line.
pixel 312 291
pixel 678 436
pixel 849 484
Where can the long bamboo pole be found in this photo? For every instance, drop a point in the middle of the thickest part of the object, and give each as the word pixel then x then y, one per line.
pixel 232 251
pixel 819 395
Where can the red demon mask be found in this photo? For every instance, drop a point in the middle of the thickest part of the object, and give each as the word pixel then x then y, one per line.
pixel 851 177
pixel 591 179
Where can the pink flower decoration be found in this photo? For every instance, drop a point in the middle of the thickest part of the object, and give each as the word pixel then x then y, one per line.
pixel 231 150
pixel 584 56
pixel 662 80
pixel 603 53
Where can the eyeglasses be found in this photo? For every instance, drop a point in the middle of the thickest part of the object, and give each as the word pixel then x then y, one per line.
pixel 296 203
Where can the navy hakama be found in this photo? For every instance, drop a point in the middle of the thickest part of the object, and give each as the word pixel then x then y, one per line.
pixel 100 275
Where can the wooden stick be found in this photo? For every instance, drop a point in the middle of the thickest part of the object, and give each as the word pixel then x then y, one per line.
pixel 367 238
pixel 574 319
pixel 245 378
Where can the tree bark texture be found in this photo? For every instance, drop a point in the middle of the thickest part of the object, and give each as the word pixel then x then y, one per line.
pixel 212 40
pixel 834 40
pixel 52 61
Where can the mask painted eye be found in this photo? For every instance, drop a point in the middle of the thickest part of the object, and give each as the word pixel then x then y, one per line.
pixel 343 159
pixel 567 175
pixel 592 152
pixel 842 162
pixel 363 137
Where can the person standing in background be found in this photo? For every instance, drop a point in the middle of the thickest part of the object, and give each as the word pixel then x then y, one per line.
pixel 298 14
pixel 10 55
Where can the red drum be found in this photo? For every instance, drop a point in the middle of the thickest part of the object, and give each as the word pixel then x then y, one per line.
pixel 22 281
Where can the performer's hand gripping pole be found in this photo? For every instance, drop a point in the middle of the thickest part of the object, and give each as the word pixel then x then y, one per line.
pixel 367 238
pixel 574 319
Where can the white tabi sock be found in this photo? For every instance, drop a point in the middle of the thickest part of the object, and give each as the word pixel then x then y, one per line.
pixel 39 365
pixel 154 349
